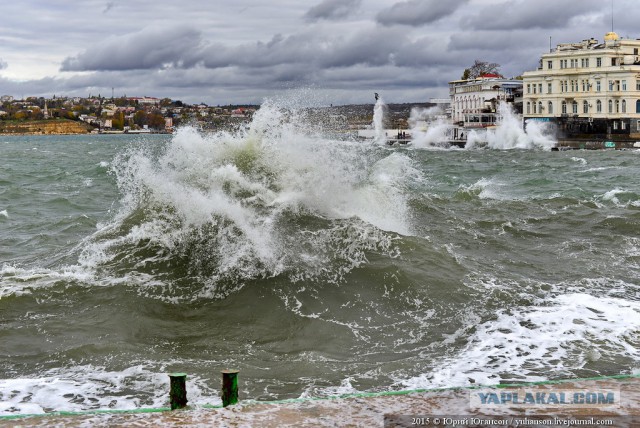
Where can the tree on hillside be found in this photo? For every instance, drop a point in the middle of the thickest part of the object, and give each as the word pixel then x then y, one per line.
pixel 140 118
pixel 156 121
pixel 479 68
pixel 118 121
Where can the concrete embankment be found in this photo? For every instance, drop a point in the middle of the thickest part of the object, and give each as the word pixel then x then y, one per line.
pixel 43 127
pixel 597 145
pixel 401 409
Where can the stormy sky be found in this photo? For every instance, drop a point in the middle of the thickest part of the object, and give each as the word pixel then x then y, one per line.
pixel 243 51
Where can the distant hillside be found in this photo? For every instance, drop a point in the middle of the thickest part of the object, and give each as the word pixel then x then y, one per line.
pixel 43 127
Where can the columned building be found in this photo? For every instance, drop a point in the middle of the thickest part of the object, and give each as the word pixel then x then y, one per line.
pixel 474 103
pixel 587 89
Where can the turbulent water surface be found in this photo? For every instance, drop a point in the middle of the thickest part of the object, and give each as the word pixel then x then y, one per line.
pixel 316 266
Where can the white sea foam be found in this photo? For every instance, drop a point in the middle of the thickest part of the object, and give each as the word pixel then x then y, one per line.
pixel 345 387
pixel 437 135
pixel 621 198
pixel 509 133
pixel 556 338
pixel 582 161
pixel 88 387
pixel 4 214
pixel 486 188
pixel 17 281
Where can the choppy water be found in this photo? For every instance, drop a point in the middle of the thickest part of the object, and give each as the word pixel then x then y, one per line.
pixel 313 265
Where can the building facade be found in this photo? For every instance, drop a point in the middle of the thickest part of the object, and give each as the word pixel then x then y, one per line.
pixel 587 89
pixel 474 103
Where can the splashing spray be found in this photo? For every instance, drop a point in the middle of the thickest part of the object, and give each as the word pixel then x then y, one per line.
pixel 378 120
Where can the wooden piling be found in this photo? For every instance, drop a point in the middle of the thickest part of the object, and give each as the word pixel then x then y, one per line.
pixel 229 387
pixel 178 390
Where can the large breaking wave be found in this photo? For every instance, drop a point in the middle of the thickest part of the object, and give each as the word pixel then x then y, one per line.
pixel 273 198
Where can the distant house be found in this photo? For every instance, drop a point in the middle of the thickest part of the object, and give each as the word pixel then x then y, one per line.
pixel 239 112
pixel 6 98
pixel 145 100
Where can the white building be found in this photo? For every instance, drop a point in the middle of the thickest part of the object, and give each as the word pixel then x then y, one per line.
pixel 587 89
pixel 474 103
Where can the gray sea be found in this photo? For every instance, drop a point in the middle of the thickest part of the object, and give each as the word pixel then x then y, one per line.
pixel 315 265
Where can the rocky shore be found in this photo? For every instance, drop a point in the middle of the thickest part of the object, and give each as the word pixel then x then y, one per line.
pixel 43 127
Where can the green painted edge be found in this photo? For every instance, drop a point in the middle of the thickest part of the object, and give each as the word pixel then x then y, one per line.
pixel 341 396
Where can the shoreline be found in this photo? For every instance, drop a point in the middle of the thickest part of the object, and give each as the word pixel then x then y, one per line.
pixel 393 409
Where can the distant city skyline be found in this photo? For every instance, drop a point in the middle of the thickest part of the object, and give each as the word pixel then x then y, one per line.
pixel 248 50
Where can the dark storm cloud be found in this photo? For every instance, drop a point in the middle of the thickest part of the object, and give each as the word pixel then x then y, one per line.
pixel 527 14
pixel 249 49
pixel 108 7
pixel 332 9
pixel 313 48
pixel 416 13
pixel 492 41
pixel 150 48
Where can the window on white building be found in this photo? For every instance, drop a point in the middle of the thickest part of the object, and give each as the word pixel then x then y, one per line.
pixel 548 88
pixel 549 65
pixel 610 106
pixel 550 107
pixel 598 106
pixel 564 107
pixel 585 107
pixel 624 85
pixel 598 86
pixel 624 106
pixel 528 107
pixel 540 107
pixel 574 107
pixel 598 62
